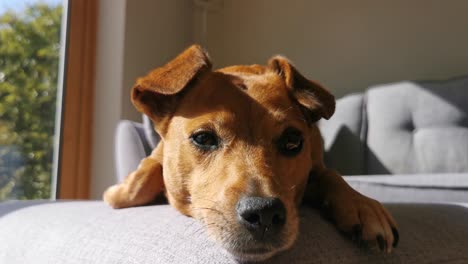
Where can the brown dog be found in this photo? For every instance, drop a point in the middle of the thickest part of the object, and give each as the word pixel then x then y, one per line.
pixel 237 148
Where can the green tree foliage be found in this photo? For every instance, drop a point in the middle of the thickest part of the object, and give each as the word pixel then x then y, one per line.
pixel 29 57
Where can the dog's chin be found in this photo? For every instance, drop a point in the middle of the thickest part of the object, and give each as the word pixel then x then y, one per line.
pixel 257 254
pixel 252 256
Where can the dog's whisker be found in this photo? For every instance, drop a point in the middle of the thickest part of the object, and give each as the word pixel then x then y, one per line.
pixel 206 199
pixel 287 109
pixel 206 223
pixel 213 210
pixel 207 208
pixel 201 220
pixel 276 182
pixel 198 230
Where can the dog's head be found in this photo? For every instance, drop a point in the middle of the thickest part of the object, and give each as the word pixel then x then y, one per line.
pixel 237 145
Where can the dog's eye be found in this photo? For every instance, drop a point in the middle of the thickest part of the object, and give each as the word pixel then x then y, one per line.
pixel 290 142
pixel 205 140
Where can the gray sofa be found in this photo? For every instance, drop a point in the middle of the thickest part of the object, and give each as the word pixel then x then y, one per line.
pixel 382 138
pixel 414 133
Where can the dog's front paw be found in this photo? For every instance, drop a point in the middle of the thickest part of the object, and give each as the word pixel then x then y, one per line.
pixel 365 220
pixel 112 197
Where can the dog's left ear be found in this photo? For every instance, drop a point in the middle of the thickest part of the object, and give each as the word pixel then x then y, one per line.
pixel 317 102
pixel 157 93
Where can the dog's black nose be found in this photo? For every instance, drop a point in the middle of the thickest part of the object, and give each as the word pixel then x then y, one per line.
pixel 261 214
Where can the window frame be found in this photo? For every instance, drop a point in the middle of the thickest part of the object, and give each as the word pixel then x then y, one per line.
pixel 75 144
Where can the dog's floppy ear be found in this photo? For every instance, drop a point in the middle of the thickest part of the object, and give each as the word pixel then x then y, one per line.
pixel 317 102
pixel 156 94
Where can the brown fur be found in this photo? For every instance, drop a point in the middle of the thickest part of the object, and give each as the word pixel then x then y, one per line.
pixel 248 107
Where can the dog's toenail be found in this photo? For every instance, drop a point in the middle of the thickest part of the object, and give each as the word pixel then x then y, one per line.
pixel 381 242
pixel 396 237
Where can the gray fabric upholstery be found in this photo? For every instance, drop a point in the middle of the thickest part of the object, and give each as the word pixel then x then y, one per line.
pixel 416 188
pixel 441 149
pixel 344 136
pixel 405 127
pixel 91 232
pixel 151 136
pixel 131 147
pixel 10 206
pixel 418 127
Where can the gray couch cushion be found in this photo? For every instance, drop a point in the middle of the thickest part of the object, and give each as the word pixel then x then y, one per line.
pixel 131 147
pixel 441 149
pixel 91 232
pixel 151 136
pixel 422 188
pixel 416 127
pixel 344 136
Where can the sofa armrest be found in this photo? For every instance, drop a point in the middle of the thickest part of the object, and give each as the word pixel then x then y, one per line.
pixel 131 147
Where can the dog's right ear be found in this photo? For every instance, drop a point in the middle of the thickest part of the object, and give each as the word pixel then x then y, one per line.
pixel 157 93
pixel 316 101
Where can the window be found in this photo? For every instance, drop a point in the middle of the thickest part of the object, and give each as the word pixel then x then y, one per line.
pixel 29 69
pixel 44 138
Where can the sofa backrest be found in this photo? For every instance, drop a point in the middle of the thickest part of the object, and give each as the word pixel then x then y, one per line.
pixel 406 127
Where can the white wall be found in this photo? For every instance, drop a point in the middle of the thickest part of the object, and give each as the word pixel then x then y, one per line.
pixel 134 36
pixel 155 32
pixel 108 95
pixel 346 45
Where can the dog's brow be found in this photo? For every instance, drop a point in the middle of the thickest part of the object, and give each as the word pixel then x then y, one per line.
pixel 278 114
pixel 214 121
pixel 281 116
